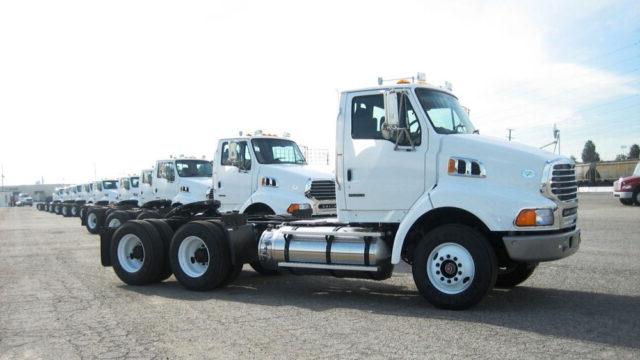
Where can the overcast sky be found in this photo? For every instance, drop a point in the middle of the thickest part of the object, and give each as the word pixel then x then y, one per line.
pixel 121 83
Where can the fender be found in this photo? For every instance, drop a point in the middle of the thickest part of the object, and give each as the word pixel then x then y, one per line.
pixel 421 207
pixel 278 201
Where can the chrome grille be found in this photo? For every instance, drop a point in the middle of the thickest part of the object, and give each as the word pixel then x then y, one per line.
pixel 322 190
pixel 563 182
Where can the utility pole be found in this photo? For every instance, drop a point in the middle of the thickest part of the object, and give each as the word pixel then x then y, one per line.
pixel 2 178
pixel 509 136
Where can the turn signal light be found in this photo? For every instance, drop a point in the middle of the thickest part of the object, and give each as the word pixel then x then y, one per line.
pixel 526 218
pixel 452 167
pixel 297 207
pixel 535 217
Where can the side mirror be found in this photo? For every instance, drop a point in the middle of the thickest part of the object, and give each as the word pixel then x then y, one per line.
pixel 391 119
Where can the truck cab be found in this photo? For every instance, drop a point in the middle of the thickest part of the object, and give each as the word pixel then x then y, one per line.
pixel 128 188
pixel 269 175
pixel 182 180
pixel 104 191
pixel 627 189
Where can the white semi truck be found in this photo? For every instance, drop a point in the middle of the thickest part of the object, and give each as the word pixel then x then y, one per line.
pixel 172 183
pixel 264 174
pixel 414 183
pixel 128 188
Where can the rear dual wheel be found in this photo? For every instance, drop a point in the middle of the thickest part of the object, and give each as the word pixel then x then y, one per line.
pixel 138 253
pixel 200 256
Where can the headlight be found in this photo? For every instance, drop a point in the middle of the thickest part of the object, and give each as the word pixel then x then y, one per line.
pixel 535 217
pixel 626 187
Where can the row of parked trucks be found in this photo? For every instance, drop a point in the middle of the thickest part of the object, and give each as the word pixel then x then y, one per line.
pixel 414 182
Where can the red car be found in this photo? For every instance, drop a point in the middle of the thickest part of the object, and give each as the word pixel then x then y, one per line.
pixel 627 189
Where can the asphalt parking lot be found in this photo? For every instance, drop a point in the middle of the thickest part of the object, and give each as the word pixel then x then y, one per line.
pixel 56 301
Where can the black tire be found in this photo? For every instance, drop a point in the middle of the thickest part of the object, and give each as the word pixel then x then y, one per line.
pixel 117 217
pixel 234 272
pixel 626 202
pixel 515 274
pixel 94 224
pixel 59 209
pixel 153 253
pixel 66 211
pixel 480 251
pixel 149 215
pixel 218 255
pixel 263 271
pixel 636 197
pixel 166 234
pixel 75 211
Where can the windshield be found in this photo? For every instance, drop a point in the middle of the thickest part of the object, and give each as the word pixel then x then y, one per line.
pixel 444 112
pixel 636 172
pixel 135 181
pixel 194 168
pixel 277 151
pixel 109 185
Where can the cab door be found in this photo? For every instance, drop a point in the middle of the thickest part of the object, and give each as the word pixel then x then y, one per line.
pixel 382 179
pixel 165 178
pixel 233 176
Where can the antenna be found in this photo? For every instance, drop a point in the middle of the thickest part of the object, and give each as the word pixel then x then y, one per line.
pixel 509 136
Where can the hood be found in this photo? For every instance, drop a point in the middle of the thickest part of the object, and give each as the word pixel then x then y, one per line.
pixel 633 180
pixel 196 183
pixel 510 163
pixel 293 177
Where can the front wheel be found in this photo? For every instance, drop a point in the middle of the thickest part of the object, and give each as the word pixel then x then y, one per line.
pixel 636 197
pixel 626 201
pixel 515 274
pixel 454 267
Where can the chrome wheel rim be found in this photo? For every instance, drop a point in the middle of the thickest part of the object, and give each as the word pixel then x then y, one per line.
pixel 450 268
pixel 92 221
pixel 193 256
pixel 114 223
pixel 130 253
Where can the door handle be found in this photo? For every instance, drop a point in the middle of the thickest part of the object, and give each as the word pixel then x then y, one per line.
pixel 348 174
pixel 219 184
pixel 156 191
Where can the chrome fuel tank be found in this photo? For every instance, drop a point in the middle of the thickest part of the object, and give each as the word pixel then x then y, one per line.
pixel 323 245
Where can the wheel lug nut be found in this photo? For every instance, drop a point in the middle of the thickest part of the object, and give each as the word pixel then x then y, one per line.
pixel 455 279
pixel 442 278
pixel 437 272
pixel 459 264
pixel 448 256
pixel 449 281
pixel 437 264
pixel 441 258
pixel 459 272
pixel 455 258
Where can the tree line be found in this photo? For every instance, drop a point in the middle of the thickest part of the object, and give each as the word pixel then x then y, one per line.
pixel 589 153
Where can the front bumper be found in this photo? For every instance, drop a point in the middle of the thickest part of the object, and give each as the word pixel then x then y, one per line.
pixel 623 194
pixel 542 247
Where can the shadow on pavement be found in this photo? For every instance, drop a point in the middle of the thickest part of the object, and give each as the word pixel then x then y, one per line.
pixel 599 318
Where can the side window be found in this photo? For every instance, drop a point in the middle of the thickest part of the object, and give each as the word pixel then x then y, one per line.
pixel 236 154
pixel 409 120
pixel 224 158
pixel 169 171
pixel 160 170
pixel 367 117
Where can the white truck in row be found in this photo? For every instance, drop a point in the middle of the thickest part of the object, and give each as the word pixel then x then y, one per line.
pixel 414 183
pixel 252 174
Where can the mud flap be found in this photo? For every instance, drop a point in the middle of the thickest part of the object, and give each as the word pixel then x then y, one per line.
pixel 106 235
